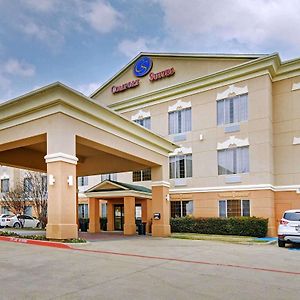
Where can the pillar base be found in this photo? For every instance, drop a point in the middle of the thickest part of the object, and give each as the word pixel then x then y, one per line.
pixel 129 229
pixel 62 231
pixel 161 230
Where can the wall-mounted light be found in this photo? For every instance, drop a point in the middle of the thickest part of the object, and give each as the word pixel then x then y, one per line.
pixel 70 180
pixel 51 179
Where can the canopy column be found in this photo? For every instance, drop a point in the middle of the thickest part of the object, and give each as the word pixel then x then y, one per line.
pixel 129 214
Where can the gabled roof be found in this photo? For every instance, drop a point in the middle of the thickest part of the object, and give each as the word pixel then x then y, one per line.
pixel 113 189
pixel 179 55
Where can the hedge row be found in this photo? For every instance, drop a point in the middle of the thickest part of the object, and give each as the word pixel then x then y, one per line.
pixel 244 226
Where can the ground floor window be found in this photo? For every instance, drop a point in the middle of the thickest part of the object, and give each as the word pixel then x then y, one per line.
pixel 83 211
pixel 234 208
pixel 181 208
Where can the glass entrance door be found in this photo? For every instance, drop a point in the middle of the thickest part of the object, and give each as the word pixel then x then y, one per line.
pixel 119 216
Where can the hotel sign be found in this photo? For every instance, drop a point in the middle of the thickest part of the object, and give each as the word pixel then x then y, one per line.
pixel 141 68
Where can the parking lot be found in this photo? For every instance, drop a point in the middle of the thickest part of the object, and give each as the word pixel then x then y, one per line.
pixel 149 268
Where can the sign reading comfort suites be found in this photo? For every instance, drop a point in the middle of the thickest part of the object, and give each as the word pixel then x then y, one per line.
pixel 141 68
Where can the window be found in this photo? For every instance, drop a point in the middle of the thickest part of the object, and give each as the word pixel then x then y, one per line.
pixel 232 110
pixel 233 160
pixel 83 211
pixel 180 166
pixel 180 121
pixel 28 210
pixel 28 185
pixel 44 184
pixel 5 210
pixel 143 175
pixel 181 208
pixel 103 210
pixel 111 176
pixel 5 185
pixel 83 180
pixel 145 122
pixel 234 208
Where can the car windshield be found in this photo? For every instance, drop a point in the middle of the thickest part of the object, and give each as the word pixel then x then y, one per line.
pixel 292 216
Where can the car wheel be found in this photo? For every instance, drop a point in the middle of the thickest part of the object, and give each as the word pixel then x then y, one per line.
pixel 17 225
pixel 38 225
pixel 281 243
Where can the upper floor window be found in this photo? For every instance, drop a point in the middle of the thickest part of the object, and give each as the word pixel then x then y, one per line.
pixel 145 122
pixel 180 166
pixel 180 121
pixel 232 110
pixel 5 185
pixel 143 175
pixel 110 176
pixel 233 160
pixel 234 208
pixel 83 181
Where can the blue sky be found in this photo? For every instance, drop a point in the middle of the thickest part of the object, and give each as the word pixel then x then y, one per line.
pixel 84 42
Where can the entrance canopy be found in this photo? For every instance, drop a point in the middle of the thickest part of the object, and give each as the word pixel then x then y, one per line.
pixel 60 131
pixel 57 119
pixel 110 189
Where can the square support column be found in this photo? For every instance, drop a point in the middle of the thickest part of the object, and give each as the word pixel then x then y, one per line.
pixel 160 202
pixel 110 216
pixel 94 216
pixel 129 215
pixel 62 204
pixel 144 204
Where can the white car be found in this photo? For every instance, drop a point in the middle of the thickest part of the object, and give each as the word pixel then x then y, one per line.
pixel 289 228
pixel 3 220
pixel 20 221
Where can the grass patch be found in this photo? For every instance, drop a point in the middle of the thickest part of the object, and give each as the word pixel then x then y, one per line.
pixel 219 238
pixel 40 237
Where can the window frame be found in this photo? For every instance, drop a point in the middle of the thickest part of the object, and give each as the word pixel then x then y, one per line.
pixel 142 175
pixel 235 161
pixel 7 185
pixel 182 213
pixel 83 181
pixel 242 207
pixel 179 117
pixel 232 99
pixel 145 122
pixel 185 166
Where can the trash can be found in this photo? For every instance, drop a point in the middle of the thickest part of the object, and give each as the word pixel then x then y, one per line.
pixel 83 225
pixel 144 227
pixel 140 228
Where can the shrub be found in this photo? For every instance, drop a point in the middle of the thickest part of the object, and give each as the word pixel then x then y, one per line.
pixel 244 226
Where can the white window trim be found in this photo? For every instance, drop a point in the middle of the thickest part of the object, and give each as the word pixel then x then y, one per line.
pixel 232 91
pixel 232 141
pixel 179 105
pixel 141 115
pixel 181 151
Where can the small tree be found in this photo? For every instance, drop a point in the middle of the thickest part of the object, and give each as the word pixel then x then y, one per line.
pixel 15 200
pixel 38 195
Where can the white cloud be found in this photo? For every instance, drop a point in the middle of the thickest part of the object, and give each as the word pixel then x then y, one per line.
pixel 101 16
pixel 41 5
pixel 88 88
pixel 18 68
pixel 131 48
pixel 43 33
pixel 232 25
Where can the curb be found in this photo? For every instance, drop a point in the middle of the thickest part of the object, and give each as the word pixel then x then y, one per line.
pixel 35 242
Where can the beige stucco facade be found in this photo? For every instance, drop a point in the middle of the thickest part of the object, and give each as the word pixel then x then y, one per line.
pixel 103 145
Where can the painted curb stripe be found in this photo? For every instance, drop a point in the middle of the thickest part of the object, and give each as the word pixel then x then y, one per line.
pixel 189 261
pixel 34 242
